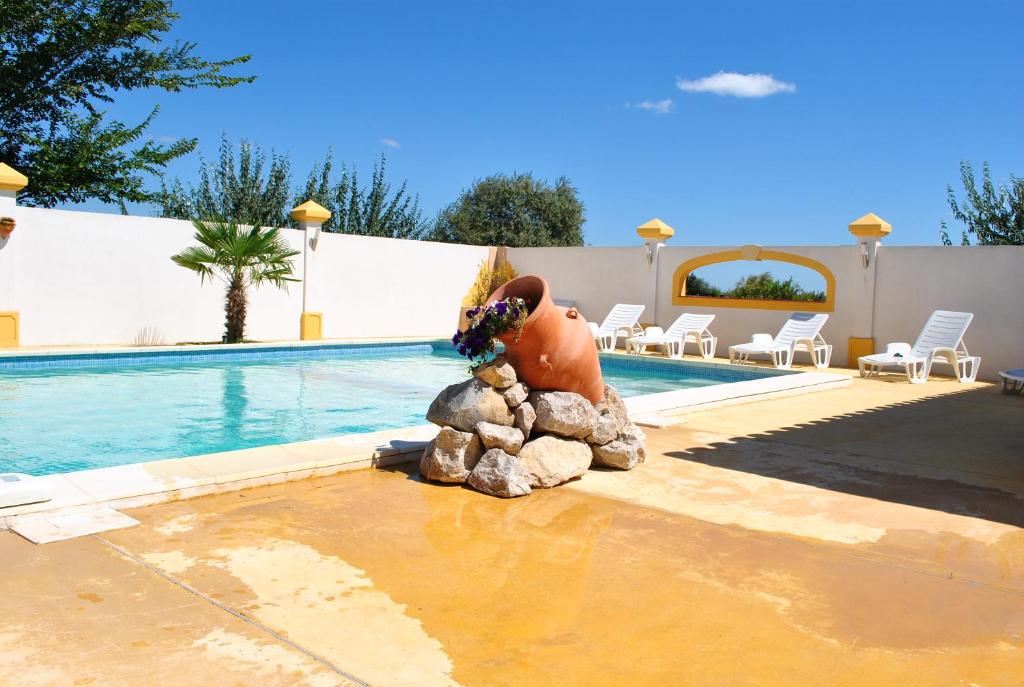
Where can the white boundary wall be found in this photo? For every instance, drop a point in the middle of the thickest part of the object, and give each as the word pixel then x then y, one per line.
pixel 910 283
pixel 92 278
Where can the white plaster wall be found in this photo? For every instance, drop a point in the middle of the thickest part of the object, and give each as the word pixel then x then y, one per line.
pixel 985 280
pixel 367 286
pixel 736 325
pixel 912 281
pixel 92 278
pixel 596 278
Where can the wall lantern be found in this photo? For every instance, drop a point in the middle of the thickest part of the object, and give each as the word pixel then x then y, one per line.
pixel 7 225
pixel 654 233
pixel 869 231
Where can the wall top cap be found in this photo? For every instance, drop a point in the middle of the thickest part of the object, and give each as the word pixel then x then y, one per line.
pixel 655 229
pixel 310 212
pixel 11 179
pixel 870 225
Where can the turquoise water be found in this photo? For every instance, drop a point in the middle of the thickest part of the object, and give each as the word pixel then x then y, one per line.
pixel 100 411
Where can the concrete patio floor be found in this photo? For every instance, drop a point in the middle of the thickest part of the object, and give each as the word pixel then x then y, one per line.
pixel 872 535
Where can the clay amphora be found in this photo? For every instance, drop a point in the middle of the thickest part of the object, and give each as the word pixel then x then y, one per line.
pixel 556 351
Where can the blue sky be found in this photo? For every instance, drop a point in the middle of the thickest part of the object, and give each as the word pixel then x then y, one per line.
pixel 876 105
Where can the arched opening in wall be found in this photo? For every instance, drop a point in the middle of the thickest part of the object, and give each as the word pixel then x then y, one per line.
pixel 752 277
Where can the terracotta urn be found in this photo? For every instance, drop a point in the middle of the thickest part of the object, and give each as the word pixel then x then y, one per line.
pixel 556 351
pixel 6 227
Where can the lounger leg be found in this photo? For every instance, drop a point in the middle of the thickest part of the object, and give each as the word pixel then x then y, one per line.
pixel 968 369
pixel 782 358
pixel 708 347
pixel 917 371
pixel 822 356
pixel 862 366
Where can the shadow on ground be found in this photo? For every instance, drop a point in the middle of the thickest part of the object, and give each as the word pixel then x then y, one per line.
pixel 961 452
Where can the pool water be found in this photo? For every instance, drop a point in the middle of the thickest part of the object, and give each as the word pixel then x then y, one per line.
pixel 99 411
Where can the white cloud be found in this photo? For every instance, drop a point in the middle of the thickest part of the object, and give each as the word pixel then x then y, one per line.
pixel 657 107
pixel 739 85
pixel 390 142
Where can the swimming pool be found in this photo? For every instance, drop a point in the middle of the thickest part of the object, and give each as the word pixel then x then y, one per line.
pixel 60 413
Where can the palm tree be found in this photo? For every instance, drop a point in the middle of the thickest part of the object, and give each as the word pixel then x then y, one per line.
pixel 240 256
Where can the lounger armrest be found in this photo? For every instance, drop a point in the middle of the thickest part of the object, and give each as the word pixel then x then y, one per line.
pixel 944 353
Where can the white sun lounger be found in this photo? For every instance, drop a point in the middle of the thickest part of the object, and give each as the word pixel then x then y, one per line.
pixel 622 317
pixel 1013 381
pixel 687 328
pixel 801 332
pixel 941 341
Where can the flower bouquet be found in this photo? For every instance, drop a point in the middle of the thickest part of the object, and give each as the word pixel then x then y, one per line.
pixel 486 324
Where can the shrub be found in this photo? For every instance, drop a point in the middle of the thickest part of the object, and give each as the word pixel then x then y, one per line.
pixel 488 281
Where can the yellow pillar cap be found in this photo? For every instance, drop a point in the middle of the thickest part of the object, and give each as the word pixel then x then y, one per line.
pixel 655 229
pixel 870 225
pixel 310 212
pixel 11 179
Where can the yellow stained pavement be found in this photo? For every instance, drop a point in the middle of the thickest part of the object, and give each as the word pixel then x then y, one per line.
pixel 870 535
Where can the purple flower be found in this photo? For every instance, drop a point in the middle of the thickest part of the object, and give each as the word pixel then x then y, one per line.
pixel 501 308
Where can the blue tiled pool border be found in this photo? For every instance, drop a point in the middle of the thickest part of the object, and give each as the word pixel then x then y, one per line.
pixel 114 359
pixel 197 354
pixel 720 371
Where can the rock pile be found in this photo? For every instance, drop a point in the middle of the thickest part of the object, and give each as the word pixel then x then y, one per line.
pixel 503 439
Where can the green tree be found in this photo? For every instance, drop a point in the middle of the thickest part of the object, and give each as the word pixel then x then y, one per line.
pixel 994 214
pixel 239 256
pixel 515 210
pixel 695 286
pixel 60 60
pixel 754 286
pixel 254 188
pixel 373 211
pixel 766 287
pixel 236 188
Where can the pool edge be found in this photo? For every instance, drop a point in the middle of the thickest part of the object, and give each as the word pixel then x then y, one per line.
pixel 171 479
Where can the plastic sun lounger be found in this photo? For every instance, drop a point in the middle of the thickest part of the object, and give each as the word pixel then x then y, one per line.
pixel 688 328
pixel 623 316
pixel 941 341
pixel 801 332
pixel 1013 380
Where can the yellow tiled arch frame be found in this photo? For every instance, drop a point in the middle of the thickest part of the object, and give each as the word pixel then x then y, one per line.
pixel 679 296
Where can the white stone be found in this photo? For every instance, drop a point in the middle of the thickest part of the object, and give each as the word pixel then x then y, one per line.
pixel 551 460
pixel 564 413
pixel 500 474
pixel 498 373
pixel 605 431
pixel 465 404
pixel 451 456
pixel 617 454
pixel 515 394
pixel 525 416
pixel 508 439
